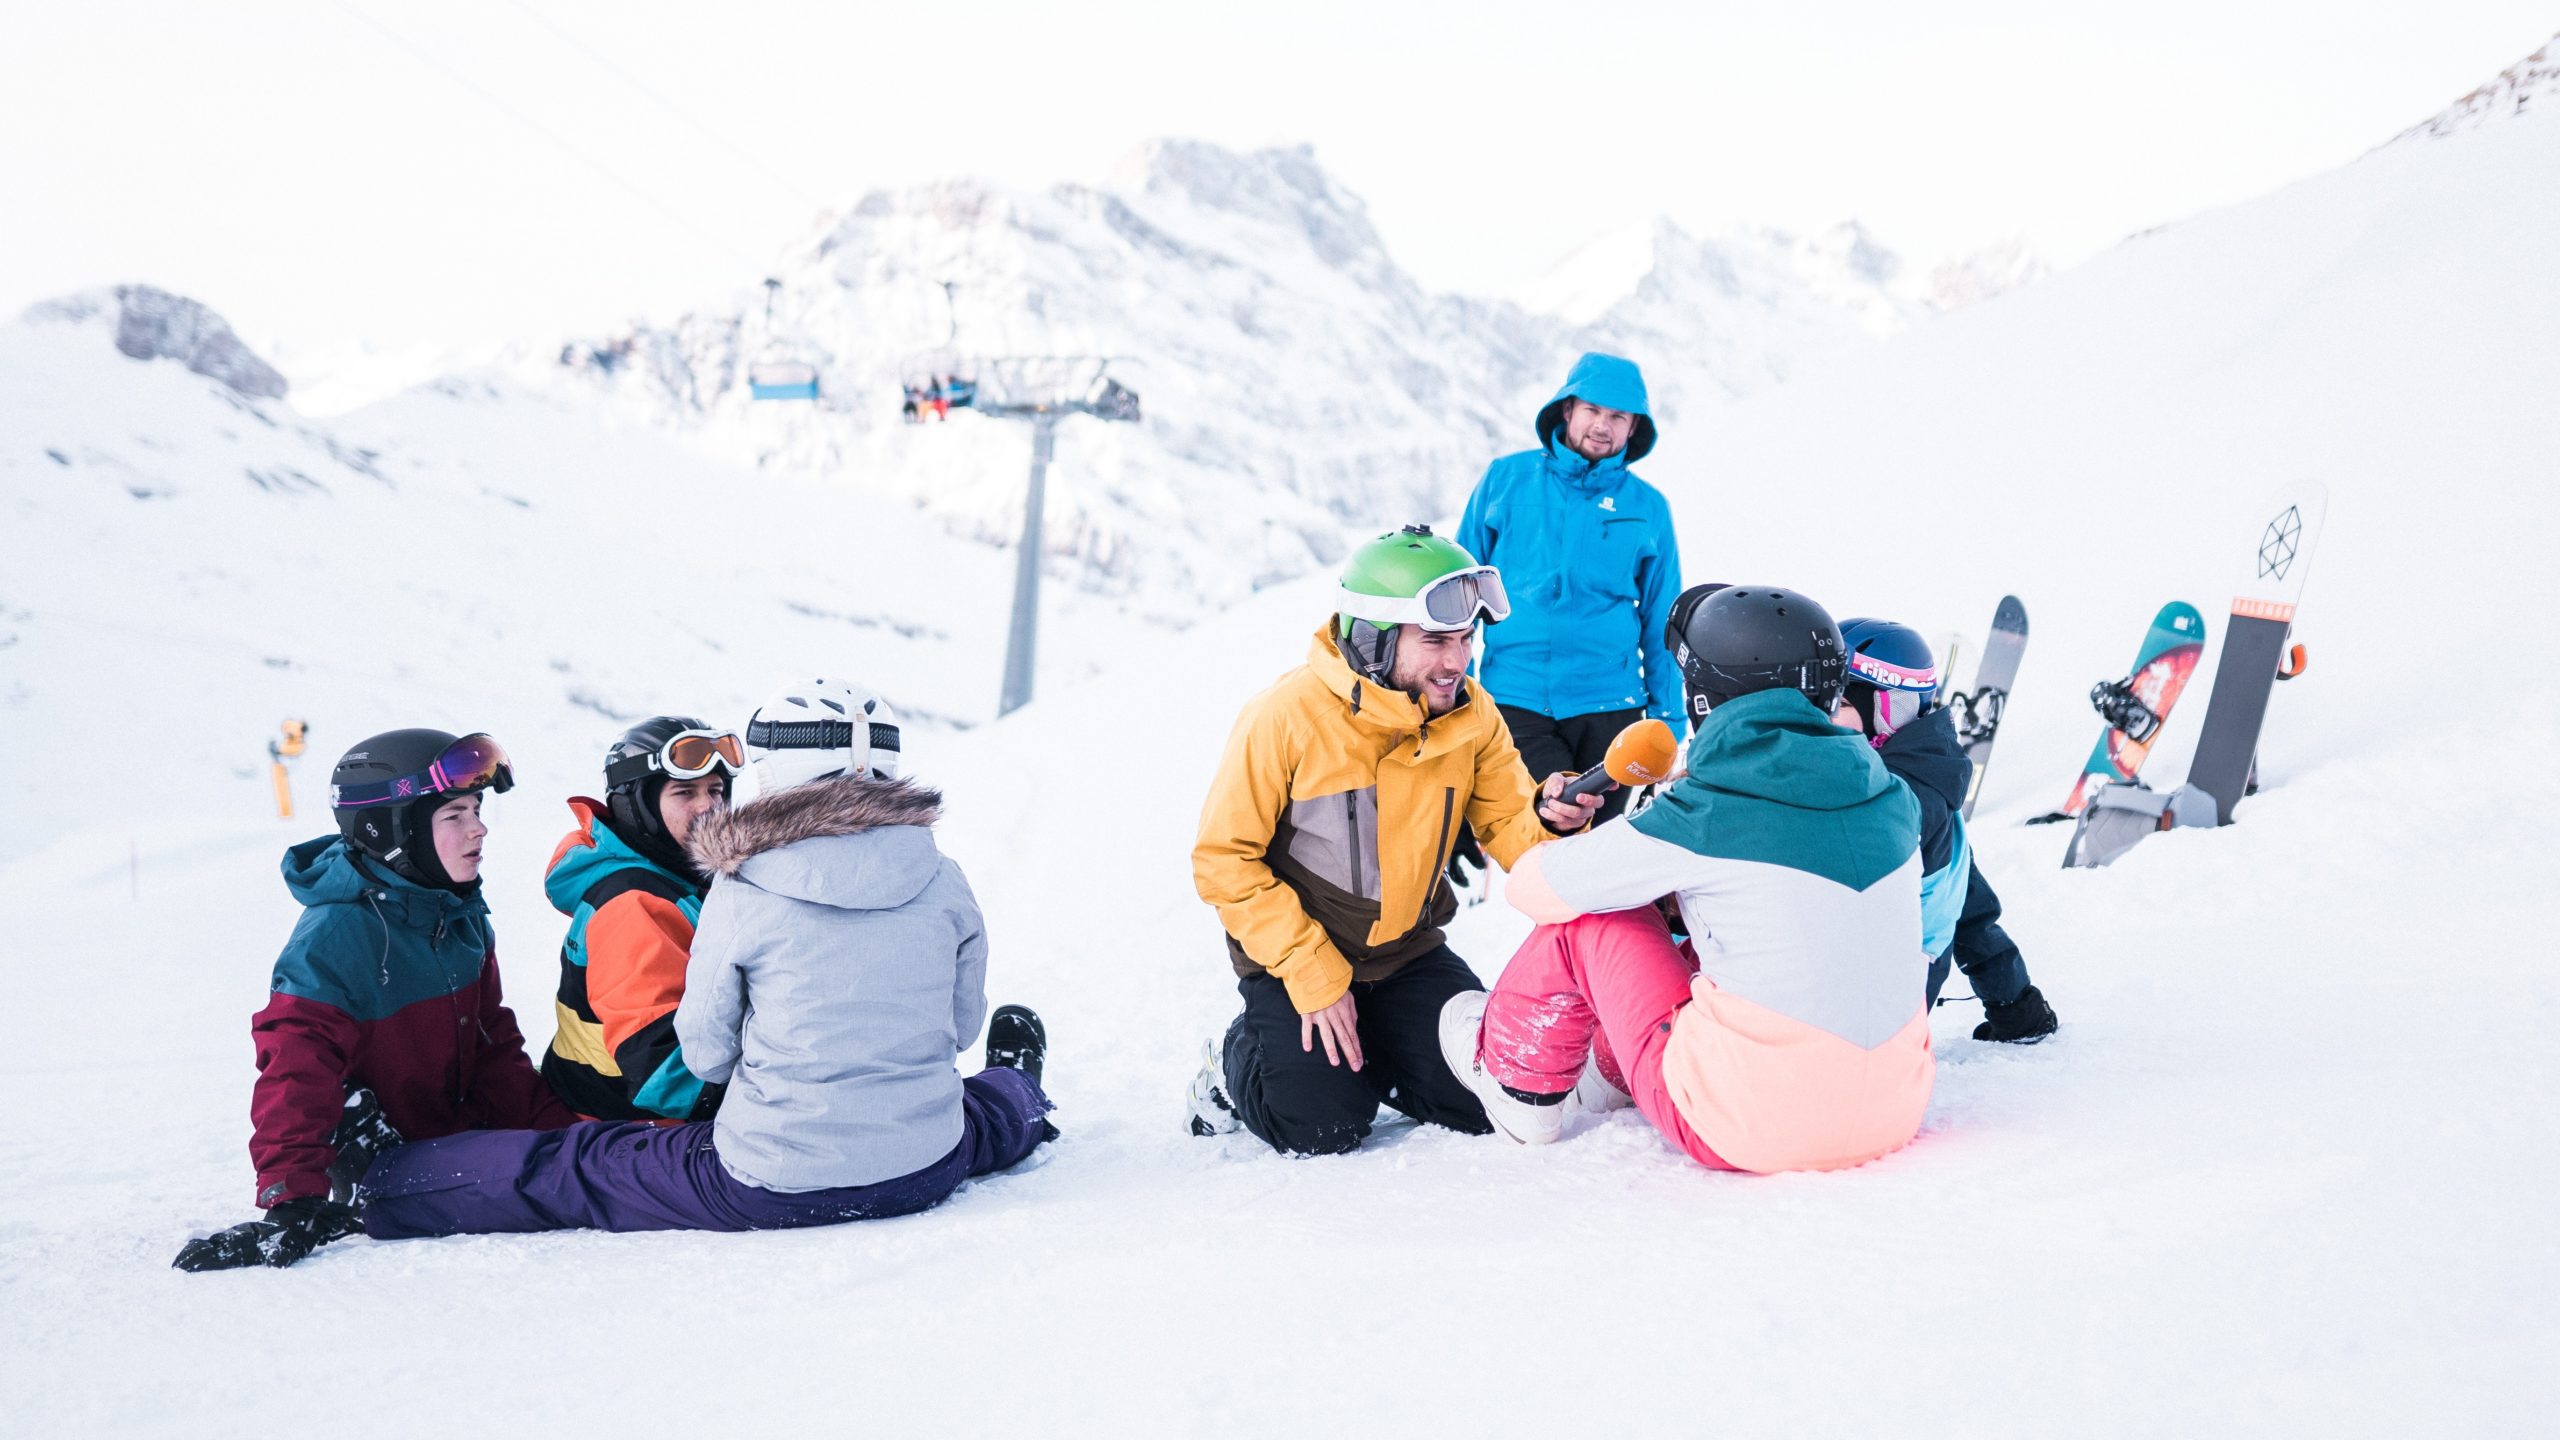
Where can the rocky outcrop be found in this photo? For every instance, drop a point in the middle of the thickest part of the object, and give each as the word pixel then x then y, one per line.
pixel 2529 84
pixel 153 324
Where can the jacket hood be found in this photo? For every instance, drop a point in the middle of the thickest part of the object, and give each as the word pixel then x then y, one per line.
pixel 1926 754
pixel 1776 745
pixel 1605 380
pixel 593 851
pixel 324 871
pixel 1387 708
pixel 852 841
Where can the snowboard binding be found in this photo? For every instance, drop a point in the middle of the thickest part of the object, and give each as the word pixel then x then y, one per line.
pixel 2121 708
pixel 1977 714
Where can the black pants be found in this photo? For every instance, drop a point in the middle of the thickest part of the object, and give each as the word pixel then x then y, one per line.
pixel 1576 742
pixel 1298 1103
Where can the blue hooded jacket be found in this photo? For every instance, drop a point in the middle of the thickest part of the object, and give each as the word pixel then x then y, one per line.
pixel 1588 557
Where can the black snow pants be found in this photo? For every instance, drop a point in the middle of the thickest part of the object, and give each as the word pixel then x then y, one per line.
pixel 1298 1103
pixel 1984 951
pixel 1576 742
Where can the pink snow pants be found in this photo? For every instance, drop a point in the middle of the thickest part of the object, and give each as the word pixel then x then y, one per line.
pixel 1608 982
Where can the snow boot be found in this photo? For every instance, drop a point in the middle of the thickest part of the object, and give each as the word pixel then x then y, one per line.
pixel 1211 1113
pixel 1595 1093
pixel 1016 1040
pixel 2022 1021
pixel 1529 1119
pixel 362 1134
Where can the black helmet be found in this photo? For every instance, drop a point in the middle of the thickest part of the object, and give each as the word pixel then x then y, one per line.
pixel 1733 640
pixel 633 786
pixel 385 788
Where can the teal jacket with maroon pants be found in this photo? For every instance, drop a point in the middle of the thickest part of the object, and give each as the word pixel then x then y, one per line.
pixel 390 985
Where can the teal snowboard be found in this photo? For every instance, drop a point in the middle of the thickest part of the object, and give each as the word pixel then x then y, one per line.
pixel 2138 706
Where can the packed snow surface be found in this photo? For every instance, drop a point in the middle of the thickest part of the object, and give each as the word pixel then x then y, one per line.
pixel 2287 1169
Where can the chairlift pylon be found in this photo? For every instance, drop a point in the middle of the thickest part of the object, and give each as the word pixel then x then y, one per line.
pixel 776 374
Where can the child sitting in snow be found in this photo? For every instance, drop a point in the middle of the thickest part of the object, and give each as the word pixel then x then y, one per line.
pixel 839 967
pixel 633 896
pixel 388 989
pixel 1798 1037
pixel 1891 698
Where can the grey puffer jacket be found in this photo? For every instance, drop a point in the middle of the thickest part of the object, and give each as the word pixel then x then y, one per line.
pixel 838 968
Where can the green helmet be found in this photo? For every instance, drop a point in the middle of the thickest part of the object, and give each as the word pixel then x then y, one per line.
pixel 1410 577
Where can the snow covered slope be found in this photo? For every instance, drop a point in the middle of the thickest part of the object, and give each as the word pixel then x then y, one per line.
pixel 2287 1169
pixel 183 565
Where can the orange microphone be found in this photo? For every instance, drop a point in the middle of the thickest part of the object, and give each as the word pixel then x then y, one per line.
pixel 1643 754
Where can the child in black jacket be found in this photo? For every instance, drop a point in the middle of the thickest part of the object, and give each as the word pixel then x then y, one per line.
pixel 1891 697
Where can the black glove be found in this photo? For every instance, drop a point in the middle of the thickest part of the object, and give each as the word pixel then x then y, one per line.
pixel 292 1229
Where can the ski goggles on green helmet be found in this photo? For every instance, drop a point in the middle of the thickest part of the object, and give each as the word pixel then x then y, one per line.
pixel 474 762
pixel 1451 602
pixel 687 755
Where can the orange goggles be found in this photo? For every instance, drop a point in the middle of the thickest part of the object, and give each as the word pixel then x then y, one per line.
pixel 687 755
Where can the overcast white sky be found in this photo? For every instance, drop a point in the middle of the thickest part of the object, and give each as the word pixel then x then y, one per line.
pixel 329 172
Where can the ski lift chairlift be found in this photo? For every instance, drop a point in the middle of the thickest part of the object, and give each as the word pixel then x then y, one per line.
pixel 776 374
pixel 937 375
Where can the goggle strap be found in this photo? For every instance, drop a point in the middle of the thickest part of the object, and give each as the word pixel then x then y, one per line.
pixel 817 735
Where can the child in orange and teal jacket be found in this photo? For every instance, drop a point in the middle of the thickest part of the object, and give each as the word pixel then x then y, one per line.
pixel 633 896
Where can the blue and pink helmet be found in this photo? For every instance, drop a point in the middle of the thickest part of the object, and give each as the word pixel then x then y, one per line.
pixel 1893 676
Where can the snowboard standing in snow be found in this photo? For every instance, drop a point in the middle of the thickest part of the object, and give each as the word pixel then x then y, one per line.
pixel 1977 711
pixel 2254 657
pixel 2254 651
pixel 2138 706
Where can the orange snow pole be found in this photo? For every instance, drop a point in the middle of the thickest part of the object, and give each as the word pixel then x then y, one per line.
pixel 287 746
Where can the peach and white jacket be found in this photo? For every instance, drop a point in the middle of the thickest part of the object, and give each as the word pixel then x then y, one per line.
pixel 1795 857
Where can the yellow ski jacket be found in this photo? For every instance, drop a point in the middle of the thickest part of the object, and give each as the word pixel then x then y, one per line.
pixel 1325 840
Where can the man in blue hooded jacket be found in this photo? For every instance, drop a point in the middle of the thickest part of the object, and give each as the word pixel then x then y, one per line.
pixel 1587 552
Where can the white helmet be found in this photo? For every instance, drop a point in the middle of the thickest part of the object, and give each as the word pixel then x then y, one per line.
pixel 817 728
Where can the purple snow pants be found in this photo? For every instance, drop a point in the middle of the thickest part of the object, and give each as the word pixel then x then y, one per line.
pixel 608 1175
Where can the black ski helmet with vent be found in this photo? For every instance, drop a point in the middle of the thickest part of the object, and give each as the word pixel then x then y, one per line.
pixel 396 832
pixel 632 787
pixel 1734 640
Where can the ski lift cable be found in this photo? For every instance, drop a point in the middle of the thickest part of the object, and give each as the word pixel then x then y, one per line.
pixel 629 186
pixel 660 98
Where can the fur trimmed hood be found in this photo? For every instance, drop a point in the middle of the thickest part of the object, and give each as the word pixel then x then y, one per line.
pixel 723 841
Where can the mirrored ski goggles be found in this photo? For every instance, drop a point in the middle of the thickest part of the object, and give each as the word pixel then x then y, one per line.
pixel 1451 602
pixel 474 762
pixel 687 755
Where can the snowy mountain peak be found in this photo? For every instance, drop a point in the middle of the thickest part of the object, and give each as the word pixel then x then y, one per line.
pixel 152 324
pixel 2530 83
pixel 1298 385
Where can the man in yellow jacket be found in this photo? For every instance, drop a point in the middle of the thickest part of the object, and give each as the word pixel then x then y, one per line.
pixel 1324 845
